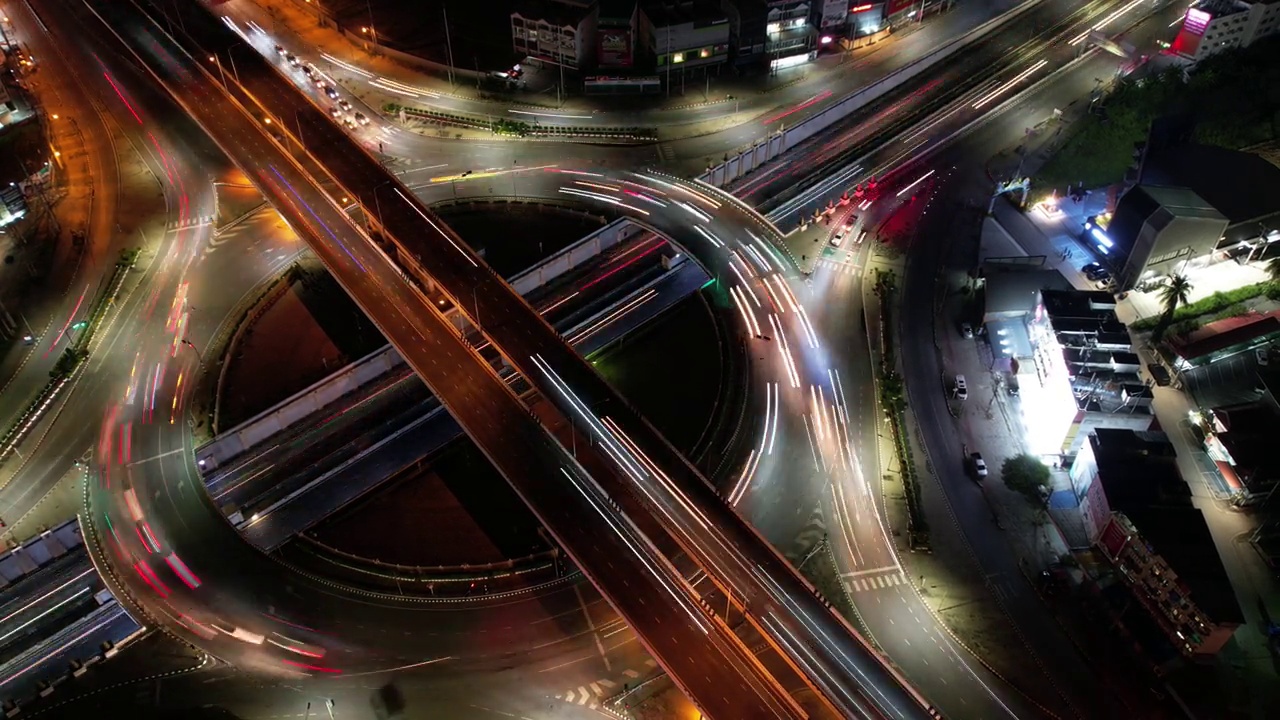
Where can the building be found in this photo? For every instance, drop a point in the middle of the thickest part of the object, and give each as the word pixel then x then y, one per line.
pixel 775 34
pixel 1238 439
pixel 1211 26
pixel 618 28
pixel 1067 354
pixel 684 34
pixel 866 18
pixel 556 32
pixel 1080 340
pixel 1191 204
pixel 1167 586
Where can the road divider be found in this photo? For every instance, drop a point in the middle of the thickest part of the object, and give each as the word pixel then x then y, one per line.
pixel 519 128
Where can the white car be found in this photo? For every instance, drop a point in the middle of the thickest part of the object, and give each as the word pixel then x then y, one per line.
pixel 961 388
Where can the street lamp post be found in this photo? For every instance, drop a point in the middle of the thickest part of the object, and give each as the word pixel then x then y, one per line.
pixel 221 73
pixel 453 182
pixel 194 349
pixel 377 204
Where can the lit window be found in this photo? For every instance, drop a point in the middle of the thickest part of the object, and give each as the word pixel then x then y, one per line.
pixel 704 52
pixel 677 57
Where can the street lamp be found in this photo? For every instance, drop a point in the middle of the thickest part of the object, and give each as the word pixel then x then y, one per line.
pixel 453 182
pixel 214 59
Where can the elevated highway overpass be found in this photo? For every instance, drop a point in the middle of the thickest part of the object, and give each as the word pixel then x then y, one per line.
pixel 629 455
pixel 726 680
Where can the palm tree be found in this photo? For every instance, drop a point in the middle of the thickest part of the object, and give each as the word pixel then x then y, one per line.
pixel 1174 292
pixel 1273 268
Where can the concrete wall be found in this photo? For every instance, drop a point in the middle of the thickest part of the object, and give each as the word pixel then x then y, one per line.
pixel 39 551
pixel 303 403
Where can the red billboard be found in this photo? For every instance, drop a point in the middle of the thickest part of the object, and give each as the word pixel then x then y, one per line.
pixel 614 47
pixel 898 6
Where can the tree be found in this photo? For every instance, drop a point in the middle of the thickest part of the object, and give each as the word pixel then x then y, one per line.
pixel 1175 291
pixel 1026 475
pixel 1273 268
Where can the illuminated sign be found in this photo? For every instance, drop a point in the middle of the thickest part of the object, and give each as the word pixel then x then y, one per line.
pixel 1196 21
pixel 860 8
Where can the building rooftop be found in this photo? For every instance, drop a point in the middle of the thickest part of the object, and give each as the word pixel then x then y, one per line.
pixel 1181 202
pixel 1243 187
pixel 1238 332
pixel 1181 536
pixel 1140 477
pixel 701 14
pixel 1015 293
pixel 561 13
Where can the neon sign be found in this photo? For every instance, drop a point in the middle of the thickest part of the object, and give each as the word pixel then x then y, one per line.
pixel 1196 21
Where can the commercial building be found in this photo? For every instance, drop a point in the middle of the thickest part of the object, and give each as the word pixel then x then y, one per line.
pixel 618 29
pixel 771 33
pixel 684 34
pixel 1211 26
pixel 1067 354
pixel 1164 584
pixel 556 32
pixel 1191 205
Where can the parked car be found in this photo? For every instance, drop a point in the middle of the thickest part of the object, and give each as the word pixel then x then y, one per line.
pixel 961 388
pixel 966 330
pixel 977 466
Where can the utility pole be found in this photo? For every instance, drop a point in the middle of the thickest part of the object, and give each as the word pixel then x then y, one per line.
pixel 668 59
pixel 448 44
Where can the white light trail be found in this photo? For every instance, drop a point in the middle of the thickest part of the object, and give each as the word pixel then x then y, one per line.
pixel 919 180
pixel 435 227
pixel 1006 86
pixel 346 65
pixel 710 237
pixel 748 316
pixel 784 350
pixel 551 115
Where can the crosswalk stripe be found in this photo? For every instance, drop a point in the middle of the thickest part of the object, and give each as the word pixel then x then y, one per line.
pixel 607 684
pixel 631 673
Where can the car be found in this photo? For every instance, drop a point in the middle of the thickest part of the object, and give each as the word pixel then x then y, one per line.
pixel 346 106
pixel 961 388
pixel 977 466
pixel 331 92
pixel 308 71
pixel 837 238
pixel 281 51
pixel 319 80
pixel 293 59
pixel 335 113
pixel 1261 355
pixel 346 120
pixel 1091 267
pixel 360 118
pixel 966 331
